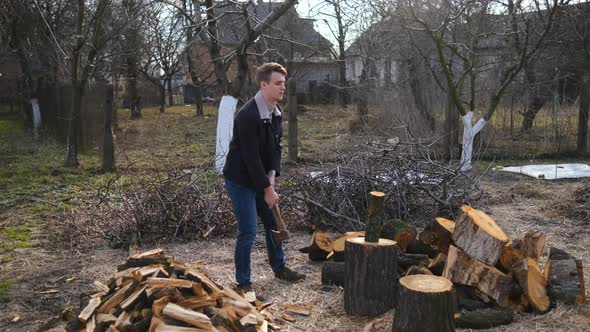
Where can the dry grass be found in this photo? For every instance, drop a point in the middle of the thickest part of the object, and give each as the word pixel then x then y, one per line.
pixel 178 138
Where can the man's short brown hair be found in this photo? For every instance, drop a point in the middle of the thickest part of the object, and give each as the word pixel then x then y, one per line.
pixel 264 72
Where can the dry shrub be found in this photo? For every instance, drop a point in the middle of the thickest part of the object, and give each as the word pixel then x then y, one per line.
pixel 417 187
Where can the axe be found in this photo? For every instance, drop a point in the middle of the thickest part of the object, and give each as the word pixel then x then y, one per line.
pixel 281 234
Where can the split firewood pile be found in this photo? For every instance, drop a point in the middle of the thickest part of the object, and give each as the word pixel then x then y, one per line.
pixel 155 293
pixel 492 275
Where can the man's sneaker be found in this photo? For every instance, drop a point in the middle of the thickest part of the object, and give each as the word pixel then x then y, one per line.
pixel 289 275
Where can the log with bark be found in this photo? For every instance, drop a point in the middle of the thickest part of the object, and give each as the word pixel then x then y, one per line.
pixel 375 216
pixel 479 236
pixel 565 276
pixel 333 273
pixel 465 270
pixel 483 319
pixel 533 283
pixel 370 276
pixel 439 234
pixel 320 247
pixel 338 245
pixel 531 245
pixel 425 304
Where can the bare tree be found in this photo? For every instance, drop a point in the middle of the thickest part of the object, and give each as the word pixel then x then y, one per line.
pixel 468 30
pixel 164 37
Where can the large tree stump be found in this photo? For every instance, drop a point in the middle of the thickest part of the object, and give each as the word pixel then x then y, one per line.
pixel 374 216
pixel 533 283
pixel 370 273
pixel 425 305
pixel 479 236
pixel 333 273
pixel 464 270
pixel 565 276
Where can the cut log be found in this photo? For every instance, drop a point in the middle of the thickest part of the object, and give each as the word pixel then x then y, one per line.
pixel 509 257
pixel 88 312
pixel 151 253
pixel 565 276
pixel 531 245
pixel 370 276
pixel 413 270
pixel 437 265
pixel 210 286
pixel 421 248
pixel 464 270
pixel 198 302
pixel 166 282
pixel 439 234
pixel 320 246
pixel 338 245
pixel 400 232
pixel 483 319
pixel 194 318
pixel 91 325
pixel 425 304
pixel 132 299
pixel 117 298
pixel 375 216
pixel 533 283
pixel 479 236
pixel 405 260
pixel 333 273
pixel 300 309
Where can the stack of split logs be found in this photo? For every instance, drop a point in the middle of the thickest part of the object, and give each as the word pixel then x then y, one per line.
pixel 152 292
pixel 468 270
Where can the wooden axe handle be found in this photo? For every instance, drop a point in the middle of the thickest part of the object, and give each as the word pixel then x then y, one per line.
pixel 277 214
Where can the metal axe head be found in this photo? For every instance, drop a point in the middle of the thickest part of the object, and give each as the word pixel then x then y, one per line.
pixel 278 237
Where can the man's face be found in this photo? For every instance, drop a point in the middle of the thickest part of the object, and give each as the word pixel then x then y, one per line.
pixel 275 89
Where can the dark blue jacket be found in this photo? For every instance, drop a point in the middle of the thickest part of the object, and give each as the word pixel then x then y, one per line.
pixel 255 148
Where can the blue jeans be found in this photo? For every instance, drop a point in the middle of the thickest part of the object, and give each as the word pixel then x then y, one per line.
pixel 248 204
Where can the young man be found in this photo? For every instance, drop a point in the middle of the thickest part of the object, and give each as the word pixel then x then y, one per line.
pixel 252 163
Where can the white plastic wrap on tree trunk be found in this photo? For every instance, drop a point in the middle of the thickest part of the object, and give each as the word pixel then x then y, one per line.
pixel 469 132
pixel 36 113
pixel 225 124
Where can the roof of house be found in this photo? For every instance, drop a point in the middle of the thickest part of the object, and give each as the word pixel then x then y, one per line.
pixel 301 30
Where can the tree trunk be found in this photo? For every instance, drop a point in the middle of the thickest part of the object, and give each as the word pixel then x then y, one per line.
pixel 292 102
pixel 199 98
pixel 74 126
pixel 469 132
pixel 162 98
pixel 417 93
pixel 426 304
pixel 108 160
pixel 170 94
pixel 370 276
pixel 534 106
pixel 582 142
pixel 451 129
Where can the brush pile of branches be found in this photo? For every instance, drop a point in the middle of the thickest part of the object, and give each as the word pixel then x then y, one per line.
pixel 146 209
pixel 417 187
